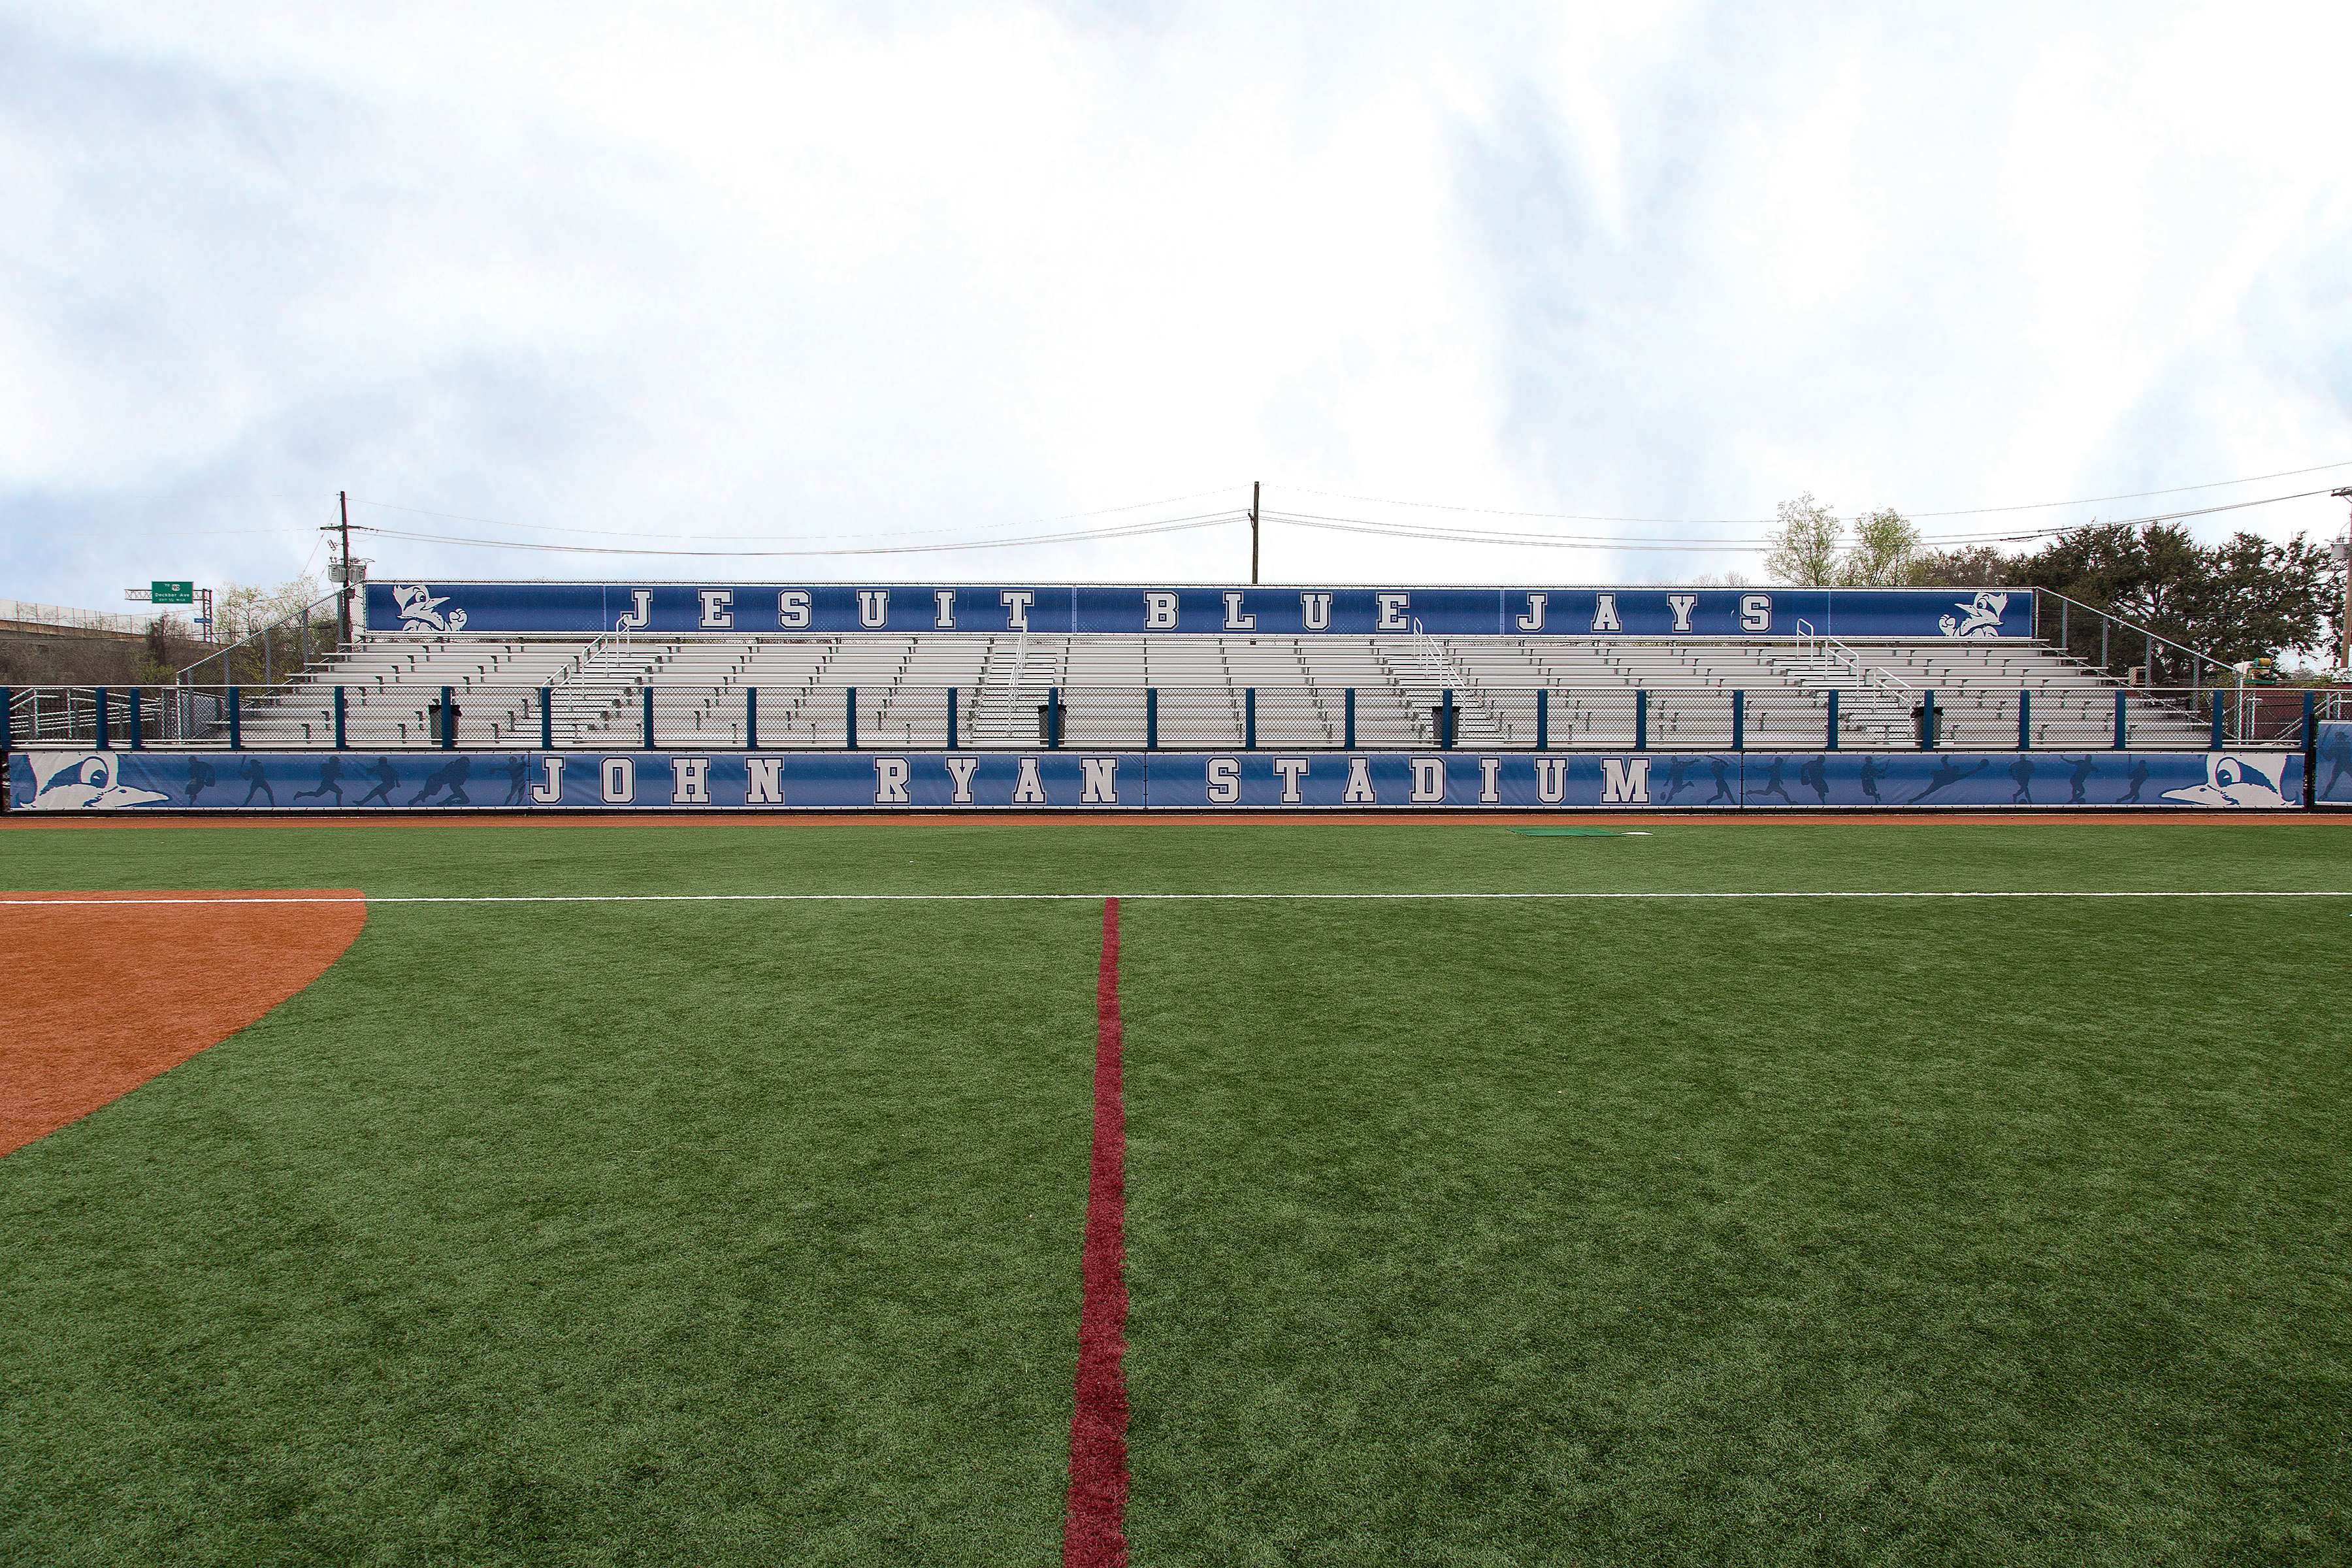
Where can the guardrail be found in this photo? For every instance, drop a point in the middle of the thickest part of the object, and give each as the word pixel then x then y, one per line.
pixel 649 716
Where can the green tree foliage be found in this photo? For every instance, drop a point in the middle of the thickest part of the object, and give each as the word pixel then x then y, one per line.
pixel 1885 542
pixel 1804 544
pixel 1808 550
pixel 2243 598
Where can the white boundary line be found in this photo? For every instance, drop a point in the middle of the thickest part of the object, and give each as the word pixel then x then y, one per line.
pixel 1131 898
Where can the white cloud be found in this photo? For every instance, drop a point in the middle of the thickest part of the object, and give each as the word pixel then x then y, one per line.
pixel 713 271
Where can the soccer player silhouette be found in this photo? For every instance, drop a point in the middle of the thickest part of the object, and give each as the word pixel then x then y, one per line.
pixel 1774 783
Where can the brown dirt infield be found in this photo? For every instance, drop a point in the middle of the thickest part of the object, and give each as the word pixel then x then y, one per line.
pixel 106 991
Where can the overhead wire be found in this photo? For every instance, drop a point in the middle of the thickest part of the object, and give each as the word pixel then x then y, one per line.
pixel 1766 522
pixel 1509 537
pixel 1131 530
pixel 887 534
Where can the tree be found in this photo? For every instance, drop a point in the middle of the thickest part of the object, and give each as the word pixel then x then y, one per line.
pixel 1804 544
pixel 2239 600
pixel 1978 566
pixel 1885 542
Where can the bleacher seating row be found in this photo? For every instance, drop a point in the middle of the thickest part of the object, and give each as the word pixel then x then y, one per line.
pixel 1205 687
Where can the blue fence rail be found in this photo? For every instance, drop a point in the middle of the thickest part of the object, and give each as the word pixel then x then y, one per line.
pixel 749 718
pixel 1083 778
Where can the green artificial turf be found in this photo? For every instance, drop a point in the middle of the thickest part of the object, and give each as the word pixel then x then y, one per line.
pixel 1467 1232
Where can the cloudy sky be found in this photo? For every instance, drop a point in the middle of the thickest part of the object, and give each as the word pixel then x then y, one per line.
pixel 779 278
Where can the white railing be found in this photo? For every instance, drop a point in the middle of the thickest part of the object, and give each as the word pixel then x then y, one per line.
pixel 1827 651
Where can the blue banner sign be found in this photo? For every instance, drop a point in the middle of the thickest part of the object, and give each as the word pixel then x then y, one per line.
pixel 1188 781
pixel 740 609
pixel 2334 766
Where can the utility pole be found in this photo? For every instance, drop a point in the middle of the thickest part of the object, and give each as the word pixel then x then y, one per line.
pixel 1254 488
pixel 2342 552
pixel 343 602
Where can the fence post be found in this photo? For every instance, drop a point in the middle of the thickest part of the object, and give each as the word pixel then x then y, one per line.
pixel 448 719
pixel 2119 719
pixel 1927 719
pixel 547 718
pixel 751 718
pixel 1739 720
pixel 1641 719
pixel 2310 745
pixel 1445 719
pixel 2217 718
pixel 1249 718
pixel 139 727
pixel 849 718
pixel 102 737
pixel 951 719
pixel 1543 720
pixel 236 730
pixel 342 742
pixel 2025 718
pixel 1352 717
pixel 1829 739
pixel 7 722
pixel 1151 718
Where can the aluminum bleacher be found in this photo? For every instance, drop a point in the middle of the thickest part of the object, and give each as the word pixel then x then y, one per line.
pixel 1195 690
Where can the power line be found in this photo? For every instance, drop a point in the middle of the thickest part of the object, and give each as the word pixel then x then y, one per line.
pixel 1594 541
pixel 1131 530
pixel 1766 522
pixel 888 533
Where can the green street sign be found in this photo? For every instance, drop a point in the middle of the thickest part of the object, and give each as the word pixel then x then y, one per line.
pixel 173 593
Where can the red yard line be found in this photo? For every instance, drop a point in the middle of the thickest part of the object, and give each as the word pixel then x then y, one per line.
pixel 1094 1532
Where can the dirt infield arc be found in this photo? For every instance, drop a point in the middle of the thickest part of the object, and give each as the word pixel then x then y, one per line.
pixel 111 988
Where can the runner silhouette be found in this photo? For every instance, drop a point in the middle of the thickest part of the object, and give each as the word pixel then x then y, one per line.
pixel 387 778
pixel 330 782
pixel 516 780
pixel 1873 769
pixel 2139 776
pixel 2084 767
pixel 1722 782
pixel 2022 771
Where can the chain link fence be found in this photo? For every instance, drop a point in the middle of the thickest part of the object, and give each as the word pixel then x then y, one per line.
pixel 389 716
